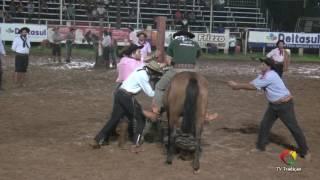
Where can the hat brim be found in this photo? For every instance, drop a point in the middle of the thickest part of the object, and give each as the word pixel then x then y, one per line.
pixel 184 33
pixel 153 68
pixel 131 49
pixel 24 28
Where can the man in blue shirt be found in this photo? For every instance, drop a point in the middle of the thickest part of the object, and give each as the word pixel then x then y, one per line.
pixel 126 105
pixel 280 106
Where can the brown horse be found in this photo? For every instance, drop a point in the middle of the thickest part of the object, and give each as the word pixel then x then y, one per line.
pixel 187 97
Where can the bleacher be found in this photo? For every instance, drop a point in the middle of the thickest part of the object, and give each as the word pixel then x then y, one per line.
pixel 228 16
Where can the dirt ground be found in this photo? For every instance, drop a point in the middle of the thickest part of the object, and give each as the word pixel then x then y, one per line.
pixel 45 127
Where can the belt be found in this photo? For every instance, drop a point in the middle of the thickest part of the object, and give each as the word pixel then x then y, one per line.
pixel 277 62
pixel 126 92
pixel 283 100
pixel 20 54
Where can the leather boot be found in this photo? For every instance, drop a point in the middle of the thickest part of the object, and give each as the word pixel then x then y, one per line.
pixel 123 134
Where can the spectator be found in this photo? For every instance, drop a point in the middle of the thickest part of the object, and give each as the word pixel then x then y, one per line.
pixel 56 44
pixel 101 11
pixel 114 52
pixel 106 3
pixel 30 8
pixel 132 14
pixel 132 36
pixel 192 17
pixel 95 42
pixel 87 37
pixel 178 17
pixel 106 44
pixel 2 53
pixel 64 10
pixel 21 46
pixel 12 8
pixel 232 44
pixel 220 29
pixel 20 8
pixel 7 17
pixel 118 22
pixel 146 50
pixel 44 6
pixel 94 14
pixel 70 12
pixel 125 2
pixel 69 42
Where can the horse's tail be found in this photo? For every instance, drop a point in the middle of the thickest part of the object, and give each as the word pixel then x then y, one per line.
pixel 190 107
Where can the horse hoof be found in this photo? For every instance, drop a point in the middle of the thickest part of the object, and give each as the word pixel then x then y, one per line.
pixel 169 162
pixel 196 171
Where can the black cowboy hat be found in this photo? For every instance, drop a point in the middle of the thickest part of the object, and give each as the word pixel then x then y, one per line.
pixel 268 61
pixel 183 33
pixel 142 33
pixel 24 28
pixel 132 48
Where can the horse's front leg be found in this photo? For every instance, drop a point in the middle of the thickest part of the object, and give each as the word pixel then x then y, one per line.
pixel 171 144
pixel 196 160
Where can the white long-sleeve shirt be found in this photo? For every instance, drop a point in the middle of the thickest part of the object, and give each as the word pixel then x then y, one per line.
pixel 17 45
pixel 276 55
pixel 138 80
pixel 2 50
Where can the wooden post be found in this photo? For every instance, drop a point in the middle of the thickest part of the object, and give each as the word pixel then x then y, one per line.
pixel 161 28
pixel 226 49
pixel 264 51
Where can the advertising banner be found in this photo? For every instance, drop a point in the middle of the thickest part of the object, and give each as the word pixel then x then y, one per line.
pixel 9 31
pixel 220 39
pixel 292 40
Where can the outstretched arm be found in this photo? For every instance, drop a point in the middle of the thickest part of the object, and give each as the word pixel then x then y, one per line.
pixel 237 86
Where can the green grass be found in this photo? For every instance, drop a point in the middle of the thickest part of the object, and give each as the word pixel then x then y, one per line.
pixel 88 52
pixel 294 57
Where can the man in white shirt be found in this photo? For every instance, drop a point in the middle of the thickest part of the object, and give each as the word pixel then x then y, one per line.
pixel 21 46
pixel 280 106
pixel 106 44
pixel 2 53
pixel 280 58
pixel 126 105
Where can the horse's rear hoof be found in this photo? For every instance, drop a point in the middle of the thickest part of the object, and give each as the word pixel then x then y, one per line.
pixel 169 162
pixel 196 171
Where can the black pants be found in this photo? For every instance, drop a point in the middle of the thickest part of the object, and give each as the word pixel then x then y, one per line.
pixel 21 63
pixel 285 112
pixel 56 50
pixel 106 54
pixel 124 105
pixel 279 69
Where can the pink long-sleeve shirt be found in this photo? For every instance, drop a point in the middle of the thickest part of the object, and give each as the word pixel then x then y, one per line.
pixel 126 66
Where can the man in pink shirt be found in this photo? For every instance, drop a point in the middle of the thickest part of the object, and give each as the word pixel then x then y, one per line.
pixel 128 63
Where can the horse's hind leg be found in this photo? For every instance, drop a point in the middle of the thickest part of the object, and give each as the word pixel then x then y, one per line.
pixel 171 144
